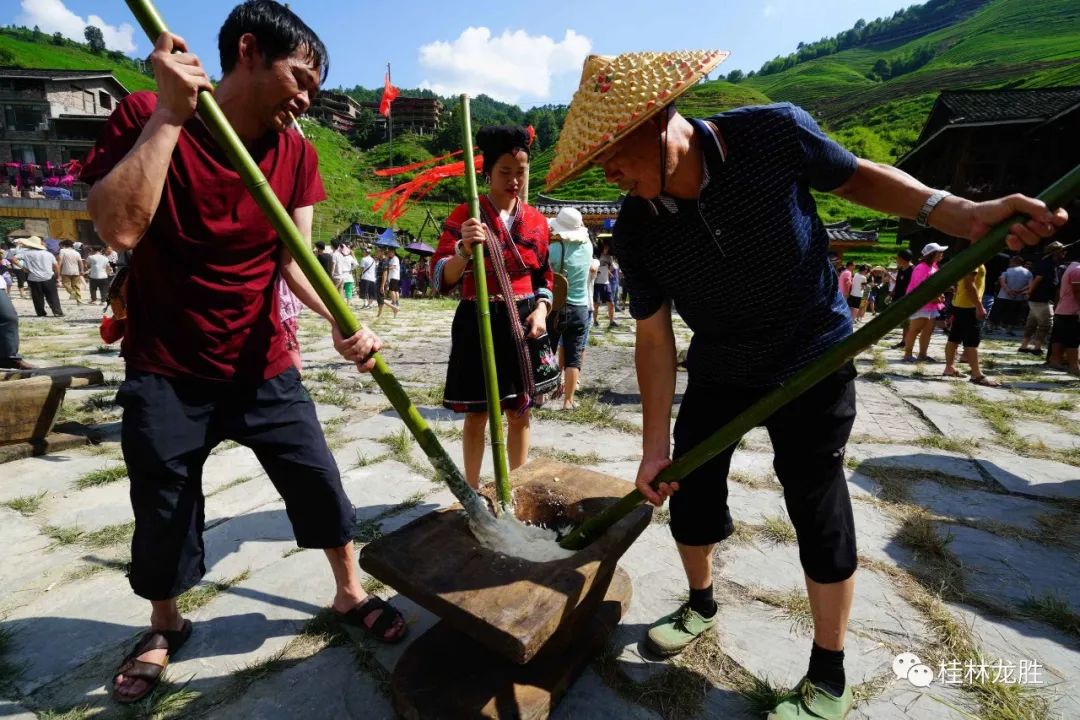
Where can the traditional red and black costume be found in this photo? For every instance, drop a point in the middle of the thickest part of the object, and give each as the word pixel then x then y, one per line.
pixel 522 240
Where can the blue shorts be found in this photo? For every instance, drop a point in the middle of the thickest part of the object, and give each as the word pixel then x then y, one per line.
pixel 170 426
pixel 573 333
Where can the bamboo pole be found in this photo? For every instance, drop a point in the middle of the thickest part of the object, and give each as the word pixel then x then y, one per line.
pixel 1061 192
pixel 483 313
pixel 256 183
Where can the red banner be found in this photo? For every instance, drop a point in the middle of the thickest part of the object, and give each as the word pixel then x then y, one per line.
pixel 389 95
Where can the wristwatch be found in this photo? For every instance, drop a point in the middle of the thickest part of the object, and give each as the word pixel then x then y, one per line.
pixel 923 218
pixel 461 252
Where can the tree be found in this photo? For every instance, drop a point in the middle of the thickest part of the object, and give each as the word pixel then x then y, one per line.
pixel 57 39
pixel 94 38
pixel 735 76
pixel 882 69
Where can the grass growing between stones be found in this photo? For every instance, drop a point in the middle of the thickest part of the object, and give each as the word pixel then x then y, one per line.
pixel 230 485
pixel 167 701
pixel 27 504
pixel 201 595
pixel 940 442
pixel 430 395
pixel 568 457
pixel 103 476
pixel 1054 611
pixel 777 529
pixel 589 411
pixel 400 444
pixel 81 712
pixel 794 605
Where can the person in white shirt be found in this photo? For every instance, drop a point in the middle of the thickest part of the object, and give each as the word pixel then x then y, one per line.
pixel 98 272
pixel 393 275
pixel 42 269
pixel 368 266
pixel 72 268
pixel 858 286
pixel 344 264
pixel 602 288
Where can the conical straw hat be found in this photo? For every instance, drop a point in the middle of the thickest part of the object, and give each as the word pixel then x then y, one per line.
pixel 616 95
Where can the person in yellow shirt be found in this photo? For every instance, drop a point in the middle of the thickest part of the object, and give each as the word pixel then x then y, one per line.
pixel 968 316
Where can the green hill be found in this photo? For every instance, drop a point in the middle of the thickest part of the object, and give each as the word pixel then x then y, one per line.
pixel 18 48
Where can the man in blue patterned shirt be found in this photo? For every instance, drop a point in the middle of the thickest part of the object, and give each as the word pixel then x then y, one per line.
pixel 710 203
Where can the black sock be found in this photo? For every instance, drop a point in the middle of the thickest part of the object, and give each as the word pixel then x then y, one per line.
pixel 827 670
pixel 702 602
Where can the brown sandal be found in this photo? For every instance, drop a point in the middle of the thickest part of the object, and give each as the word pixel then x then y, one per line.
pixel 985 381
pixel 384 622
pixel 169 640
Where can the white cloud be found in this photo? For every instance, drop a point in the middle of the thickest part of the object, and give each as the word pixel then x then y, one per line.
pixel 769 10
pixel 52 16
pixel 507 67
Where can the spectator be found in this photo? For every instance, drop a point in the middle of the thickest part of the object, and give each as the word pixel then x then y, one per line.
pixel 344 264
pixel 1010 298
pixel 922 322
pixel 603 286
pixel 326 260
pixel 72 269
pixel 42 269
pixel 1066 333
pixel 367 278
pixel 1041 292
pixel 393 280
pixel 382 281
pixel 968 314
pixel 9 332
pixel 594 272
pixel 571 255
pixel 856 292
pixel 613 283
pixel 98 271
pixel 18 272
pixel 846 276
pixel 900 288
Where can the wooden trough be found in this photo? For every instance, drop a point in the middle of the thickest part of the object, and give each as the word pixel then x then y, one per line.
pixel 514 634
pixel 29 403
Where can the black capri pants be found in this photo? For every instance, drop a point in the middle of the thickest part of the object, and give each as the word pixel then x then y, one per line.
pixel 808 437
pixel 965 327
pixel 170 425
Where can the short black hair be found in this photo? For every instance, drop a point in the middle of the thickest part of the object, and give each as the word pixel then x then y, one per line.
pixel 278 30
pixel 320 245
pixel 904 254
pixel 495 141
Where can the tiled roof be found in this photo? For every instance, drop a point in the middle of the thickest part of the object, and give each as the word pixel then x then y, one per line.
pixel 999 105
pixel 551 206
pixel 44 74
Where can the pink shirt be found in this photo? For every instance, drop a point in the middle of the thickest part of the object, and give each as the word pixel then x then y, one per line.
pixel 918 275
pixel 1068 303
pixel 845 282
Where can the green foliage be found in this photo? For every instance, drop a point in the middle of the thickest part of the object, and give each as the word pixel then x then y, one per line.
pixel 94 38
pixel 19 48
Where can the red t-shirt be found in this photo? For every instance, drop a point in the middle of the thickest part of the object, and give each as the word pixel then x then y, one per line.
pixel 201 295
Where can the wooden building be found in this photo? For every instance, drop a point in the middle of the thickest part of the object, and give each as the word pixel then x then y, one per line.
pixel 982 144
pixel 336 110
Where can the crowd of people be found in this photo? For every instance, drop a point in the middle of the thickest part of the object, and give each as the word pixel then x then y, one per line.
pixel 43 267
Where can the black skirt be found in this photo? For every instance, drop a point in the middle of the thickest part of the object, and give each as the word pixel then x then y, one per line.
pixel 465 391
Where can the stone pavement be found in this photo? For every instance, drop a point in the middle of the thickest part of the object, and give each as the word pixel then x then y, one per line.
pixel 965 500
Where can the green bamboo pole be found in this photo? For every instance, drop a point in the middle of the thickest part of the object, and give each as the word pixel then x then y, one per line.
pixel 483 313
pixel 256 183
pixel 1064 190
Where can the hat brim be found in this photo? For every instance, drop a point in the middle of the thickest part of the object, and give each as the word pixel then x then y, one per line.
pixel 573 235
pixel 673 95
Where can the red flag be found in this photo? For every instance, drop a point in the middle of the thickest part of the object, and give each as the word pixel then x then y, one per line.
pixel 389 94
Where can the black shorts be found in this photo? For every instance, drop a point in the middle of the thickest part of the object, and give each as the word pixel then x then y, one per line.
pixel 367 289
pixel 966 328
pixel 170 426
pixel 394 286
pixel 602 294
pixel 1066 331
pixel 808 437
pixel 572 333
pixel 854 302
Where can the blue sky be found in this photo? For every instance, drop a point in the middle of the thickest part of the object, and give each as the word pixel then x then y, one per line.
pixel 524 52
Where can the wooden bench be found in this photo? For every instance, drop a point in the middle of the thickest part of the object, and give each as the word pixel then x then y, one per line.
pixel 29 403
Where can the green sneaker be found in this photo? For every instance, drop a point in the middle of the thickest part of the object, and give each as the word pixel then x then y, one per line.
pixel 672 633
pixel 809 702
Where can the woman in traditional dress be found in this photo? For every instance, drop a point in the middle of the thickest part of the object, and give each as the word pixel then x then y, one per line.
pixel 519 281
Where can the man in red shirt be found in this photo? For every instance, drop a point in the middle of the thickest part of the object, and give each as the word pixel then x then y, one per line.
pixel 205 351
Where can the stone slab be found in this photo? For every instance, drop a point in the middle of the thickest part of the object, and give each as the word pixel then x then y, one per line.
pixel 903 701
pixel 977 505
pixel 92 508
pixel 446 674
pixel 1010 570
pixel 511 605
pixel 13 711
pixel 1046 435
pixel 54 442
pixel 608 444
pixel 955 422
pixel 591 699
pixel 881 413
pixel 914 458
pixel 51 473
pixel 1031 476
pixel 327 685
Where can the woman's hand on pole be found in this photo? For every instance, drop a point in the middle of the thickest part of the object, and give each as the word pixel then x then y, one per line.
pixel 359 349
pixel 473 231
pixel 179 76
pixel 536 322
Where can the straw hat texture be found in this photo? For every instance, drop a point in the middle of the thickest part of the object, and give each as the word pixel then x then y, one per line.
pixel 616 95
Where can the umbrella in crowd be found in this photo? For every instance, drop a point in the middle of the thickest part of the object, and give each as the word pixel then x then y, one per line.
pixel 387 239
pixel 420 249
